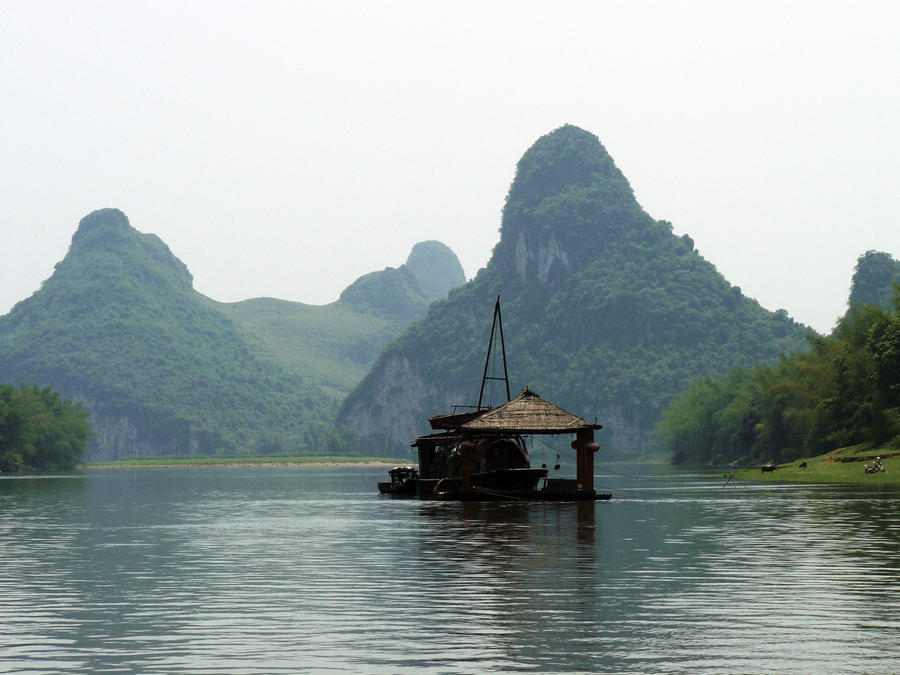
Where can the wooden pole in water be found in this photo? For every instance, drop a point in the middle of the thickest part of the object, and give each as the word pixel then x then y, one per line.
pixel 584 455
pixel 465 453
pixel 579 460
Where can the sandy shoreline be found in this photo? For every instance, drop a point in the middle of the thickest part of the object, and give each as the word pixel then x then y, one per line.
pixel 284 464
pixel 241 465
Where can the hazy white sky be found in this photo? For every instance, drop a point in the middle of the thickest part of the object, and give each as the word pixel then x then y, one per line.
pixel 285 148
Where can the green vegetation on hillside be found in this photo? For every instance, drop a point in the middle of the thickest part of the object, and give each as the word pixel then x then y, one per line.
pixel 404 293
pixel 331 345
pixel 606 312
pixel 874 280
pixel 844 391
pixel 435 268
pixel 167 370
pixel 335 345
pixel 39 430
pixel 119 326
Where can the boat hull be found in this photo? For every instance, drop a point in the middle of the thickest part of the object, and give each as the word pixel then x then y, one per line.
pixel 484 495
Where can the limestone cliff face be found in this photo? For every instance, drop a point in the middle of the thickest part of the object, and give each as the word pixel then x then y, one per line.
pixel 606 312
pixel 399 394
pixel 120 435
pixel 536 259
pixel 387 421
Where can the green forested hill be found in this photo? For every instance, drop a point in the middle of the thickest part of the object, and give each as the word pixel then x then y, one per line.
pixel 336 344
pixel 844 391
pixel 405 292
pixel 119 327
pixel 333 345
pixel 606 312
pixel 165 370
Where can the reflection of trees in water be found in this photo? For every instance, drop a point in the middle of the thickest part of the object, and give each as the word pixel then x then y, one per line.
pixel 833 549
pixel 841 521
pixel 866 522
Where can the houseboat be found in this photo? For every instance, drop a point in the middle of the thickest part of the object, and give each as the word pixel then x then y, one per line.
pixel 480 453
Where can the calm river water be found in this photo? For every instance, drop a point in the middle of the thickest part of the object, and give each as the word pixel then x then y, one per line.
pixel 267 570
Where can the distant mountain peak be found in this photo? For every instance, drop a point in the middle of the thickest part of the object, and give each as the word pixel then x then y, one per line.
pixel 166 370
pixel 873 281
pixel 105 240
pixel 109 218
pixel 430 271
pixel 567 204
pixel 607 311
pixel 436 268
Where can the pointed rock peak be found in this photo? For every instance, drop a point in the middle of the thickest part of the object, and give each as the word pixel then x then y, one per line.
pixel 109 216
pixel 436 269
pixel 568 204
pixel 565 158
pixel 429 251
pixel 405 292
pixel 873 280
pixel 105 240
pixel 111 221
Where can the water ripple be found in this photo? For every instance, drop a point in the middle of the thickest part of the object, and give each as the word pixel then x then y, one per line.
pixel 305 570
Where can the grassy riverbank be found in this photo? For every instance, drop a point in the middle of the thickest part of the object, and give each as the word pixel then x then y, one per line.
pixel 840 466
pixel 169 462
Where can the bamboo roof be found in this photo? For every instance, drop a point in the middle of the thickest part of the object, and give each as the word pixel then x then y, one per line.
pixel 528 413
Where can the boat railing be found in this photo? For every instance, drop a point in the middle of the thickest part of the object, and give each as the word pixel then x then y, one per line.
pixel 457 408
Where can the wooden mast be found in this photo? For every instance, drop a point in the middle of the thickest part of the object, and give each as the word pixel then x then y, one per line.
pixel 497 321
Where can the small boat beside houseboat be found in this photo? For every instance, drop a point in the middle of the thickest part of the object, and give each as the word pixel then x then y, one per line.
pixel 402 482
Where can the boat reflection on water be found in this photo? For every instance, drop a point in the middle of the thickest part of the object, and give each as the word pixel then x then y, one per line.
pixel 505 533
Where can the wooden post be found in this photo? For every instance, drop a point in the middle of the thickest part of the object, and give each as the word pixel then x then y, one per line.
pixel 579 461
pixel 589 449
pixel 585 458
pixel 465 453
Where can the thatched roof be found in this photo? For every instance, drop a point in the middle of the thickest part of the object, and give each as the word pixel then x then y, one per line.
pixel 528 413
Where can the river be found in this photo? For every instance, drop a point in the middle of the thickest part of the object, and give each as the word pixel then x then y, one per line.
pixel 307 569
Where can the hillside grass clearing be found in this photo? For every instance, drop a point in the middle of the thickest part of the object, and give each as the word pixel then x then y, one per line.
pixel 844 465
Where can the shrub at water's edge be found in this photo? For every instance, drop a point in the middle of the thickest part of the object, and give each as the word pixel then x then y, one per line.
pixel 40 430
